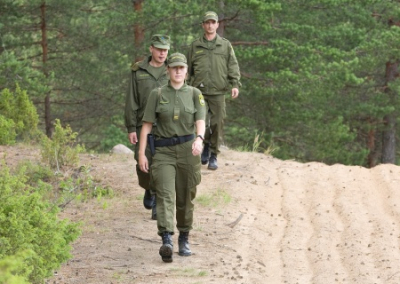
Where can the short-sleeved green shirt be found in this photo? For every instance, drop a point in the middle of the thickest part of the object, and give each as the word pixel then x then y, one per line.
pixel 175 111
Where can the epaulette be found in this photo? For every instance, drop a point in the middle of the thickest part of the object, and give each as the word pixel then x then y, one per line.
pixel 135 66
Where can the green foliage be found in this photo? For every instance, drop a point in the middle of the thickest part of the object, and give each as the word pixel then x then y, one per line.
pixel 35 172
pixel 34 242
pixel 81 186
pixel 318 87
pixel 12 268
pixel 62 149
pixel 15 67
pixel 306 65
pixel 7 131
pixel 61 188
pixel 18 116
pixel 217 198
pixel 114 135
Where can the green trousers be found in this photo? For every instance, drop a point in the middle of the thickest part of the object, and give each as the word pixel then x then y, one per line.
pixel 214 121
pixel 143 178
pixel 175 174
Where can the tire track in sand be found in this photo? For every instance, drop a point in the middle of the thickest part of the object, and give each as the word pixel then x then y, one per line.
pixel 363 211
pixel 322 254
pixel 383 204
pixel 256 237
pixel 298 230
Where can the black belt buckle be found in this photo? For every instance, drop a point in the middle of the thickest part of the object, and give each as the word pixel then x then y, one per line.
pixel 175 140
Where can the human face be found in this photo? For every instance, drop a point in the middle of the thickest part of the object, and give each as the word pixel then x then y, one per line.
pixel 158 55
pixel 177 74
pixel 210 27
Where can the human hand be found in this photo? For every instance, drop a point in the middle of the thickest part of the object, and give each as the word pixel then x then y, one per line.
pixel 143 163
pixel 132 137
pixel 197 147
pixel 235 93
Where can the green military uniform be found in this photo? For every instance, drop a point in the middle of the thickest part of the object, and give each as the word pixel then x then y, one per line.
pixel 144 78
pixel 175 171
pixel 214 70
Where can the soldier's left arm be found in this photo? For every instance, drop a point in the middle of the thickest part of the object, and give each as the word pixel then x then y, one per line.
pixel 190 64
pixel 199 118
pixel 200 106
pixel 233 70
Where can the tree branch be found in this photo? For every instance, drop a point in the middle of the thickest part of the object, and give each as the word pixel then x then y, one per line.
pixel 249 43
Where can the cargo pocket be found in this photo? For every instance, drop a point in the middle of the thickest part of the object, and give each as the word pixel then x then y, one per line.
pixel 144 178
pixel 194 175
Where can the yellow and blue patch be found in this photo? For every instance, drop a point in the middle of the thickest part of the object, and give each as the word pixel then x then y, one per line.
pixel 201 100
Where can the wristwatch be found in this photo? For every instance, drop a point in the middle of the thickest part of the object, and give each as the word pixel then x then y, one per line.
pixel 201 137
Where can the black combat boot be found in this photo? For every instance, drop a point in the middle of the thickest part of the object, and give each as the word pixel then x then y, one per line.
pixel 183 241
pixel 148 199
pixel 153 210
pixel 205 155
pixel 212 165
pixel 166 250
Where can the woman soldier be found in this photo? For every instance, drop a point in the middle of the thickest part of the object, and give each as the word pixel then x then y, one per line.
pixel 179 111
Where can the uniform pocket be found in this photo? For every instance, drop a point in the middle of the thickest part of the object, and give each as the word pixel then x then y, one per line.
pixel 154 174
pixel 190 109
pixel 188 116
pixel 162 111
pixel 194 175
pixel 161 108
pixel 143 178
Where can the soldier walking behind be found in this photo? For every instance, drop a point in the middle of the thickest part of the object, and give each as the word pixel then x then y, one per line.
pixel 213 69
pixel 144 77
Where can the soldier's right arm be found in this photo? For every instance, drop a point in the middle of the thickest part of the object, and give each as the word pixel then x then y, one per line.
pixel 131 103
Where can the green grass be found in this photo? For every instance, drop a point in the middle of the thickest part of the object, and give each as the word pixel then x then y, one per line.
pixel 256 146
pixel 214 199
pixel 188 272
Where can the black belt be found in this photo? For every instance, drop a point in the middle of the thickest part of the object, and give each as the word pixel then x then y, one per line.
pixel 173 141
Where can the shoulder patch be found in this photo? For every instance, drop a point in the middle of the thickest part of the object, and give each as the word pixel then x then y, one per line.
pixel 135 66
pixel 201 99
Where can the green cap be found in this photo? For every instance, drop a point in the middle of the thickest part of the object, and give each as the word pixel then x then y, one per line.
pixel 160 41
pixel 210 15
pixel 177 59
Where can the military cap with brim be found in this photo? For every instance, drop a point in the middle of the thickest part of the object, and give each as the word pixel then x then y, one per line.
pixel 210 15
pixel 161 41
pixel 177 59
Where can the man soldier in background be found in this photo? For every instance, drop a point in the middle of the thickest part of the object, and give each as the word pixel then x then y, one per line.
pixel 213 69
pixel 145 76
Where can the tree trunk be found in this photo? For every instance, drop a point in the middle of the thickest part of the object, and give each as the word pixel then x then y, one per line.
pixel 371 147
pixel 221 20
pixel 47 104
pixel 138 29
pixel 389 140
pixel 389 133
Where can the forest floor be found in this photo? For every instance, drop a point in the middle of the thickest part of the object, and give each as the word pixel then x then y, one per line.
pixel 264 221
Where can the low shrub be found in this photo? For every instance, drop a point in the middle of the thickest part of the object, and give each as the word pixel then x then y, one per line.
pixel 61 149
pixel 7 131
pixel 18 118
pixel 32 238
